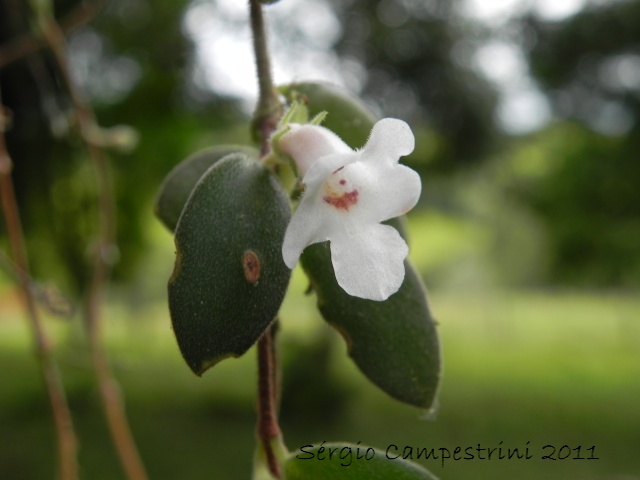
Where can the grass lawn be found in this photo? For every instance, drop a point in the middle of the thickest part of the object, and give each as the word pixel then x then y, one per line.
pixel 522 370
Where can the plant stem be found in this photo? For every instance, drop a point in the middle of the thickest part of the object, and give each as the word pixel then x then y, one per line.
pixel 67 444
pixel 267 114
pixel 102 259
pixel 268 110
pixel 268 428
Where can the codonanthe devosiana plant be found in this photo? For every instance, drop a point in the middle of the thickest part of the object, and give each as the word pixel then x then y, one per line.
pixel 346 195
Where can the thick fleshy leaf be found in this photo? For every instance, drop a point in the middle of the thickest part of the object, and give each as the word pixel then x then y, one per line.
pixel 229 279
pixel 394 342
pixel 348 116
pixel 180 182
pixel 350 462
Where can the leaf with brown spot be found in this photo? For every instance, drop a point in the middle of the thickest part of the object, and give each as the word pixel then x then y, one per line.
pixel 230 279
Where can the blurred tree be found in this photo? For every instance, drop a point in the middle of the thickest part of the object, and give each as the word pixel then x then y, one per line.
pixel 411 53
pixel 589 66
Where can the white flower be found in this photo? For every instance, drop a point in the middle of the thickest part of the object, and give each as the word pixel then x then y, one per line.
pixel 347 194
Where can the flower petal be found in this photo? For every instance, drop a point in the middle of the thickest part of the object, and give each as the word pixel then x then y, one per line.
pixel 319 172
pixel 307 226
pixel 380 191
pixel 307 143
pixel 390 192
pixel 390 139
pixel 313 222
pixel 369 263
pixel 346 194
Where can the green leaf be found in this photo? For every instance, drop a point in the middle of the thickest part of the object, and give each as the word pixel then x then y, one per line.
pixel 229 278
pixel 394 343
pixel 350 462
pixel 347 115
pixel 180 182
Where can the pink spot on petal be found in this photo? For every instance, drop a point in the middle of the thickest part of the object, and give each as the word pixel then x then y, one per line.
pixel 343 181
pixel 342 202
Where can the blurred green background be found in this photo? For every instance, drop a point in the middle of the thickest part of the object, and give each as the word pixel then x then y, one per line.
pixel 527 119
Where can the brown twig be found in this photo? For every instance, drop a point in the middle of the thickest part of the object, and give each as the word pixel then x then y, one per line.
pixel 27 44
pixel 48 297
pixel 67 444
pixel 102 259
